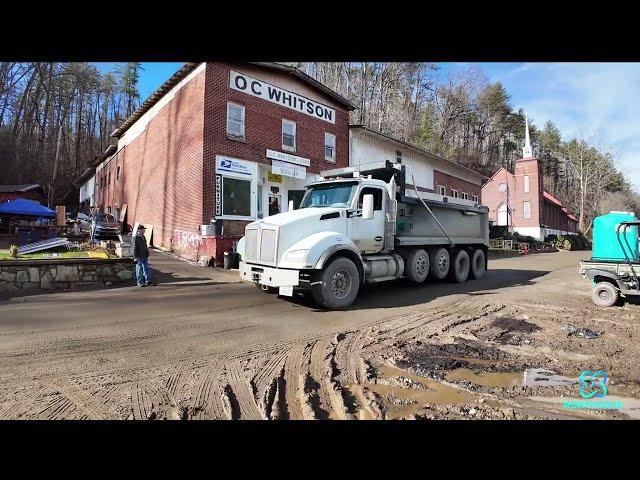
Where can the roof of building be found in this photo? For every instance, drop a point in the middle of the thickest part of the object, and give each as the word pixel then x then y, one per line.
pixel 187 68
pixel 551 198
pixel 417 149
pixel 19 188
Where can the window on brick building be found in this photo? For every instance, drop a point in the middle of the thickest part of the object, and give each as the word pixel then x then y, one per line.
pixel 330 147
pixel 288 135
pixel 475 198
pixel 442 190
pixel 526 210
pixel 109 179
pixel 398 156
pixel 454 193
pixel 465 195
pixel 118 173
pixel 236 197
pixel 235 121
pixel 526 184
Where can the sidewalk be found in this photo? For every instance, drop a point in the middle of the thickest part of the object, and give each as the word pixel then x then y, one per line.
pixel 168 269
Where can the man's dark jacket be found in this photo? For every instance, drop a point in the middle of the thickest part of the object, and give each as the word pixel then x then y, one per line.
pixel 140 249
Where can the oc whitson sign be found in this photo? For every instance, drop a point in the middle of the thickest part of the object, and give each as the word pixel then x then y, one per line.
pixel 258 88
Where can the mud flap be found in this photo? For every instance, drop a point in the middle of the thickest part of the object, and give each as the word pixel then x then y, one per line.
pixel 286 291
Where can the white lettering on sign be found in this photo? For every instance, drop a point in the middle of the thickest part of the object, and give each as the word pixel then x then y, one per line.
pixel 271 93
pixel 225 164
pixel 286 157
pixel 288 170
pixel 218 195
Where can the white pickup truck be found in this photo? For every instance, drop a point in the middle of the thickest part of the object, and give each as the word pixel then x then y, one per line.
pixel 358 225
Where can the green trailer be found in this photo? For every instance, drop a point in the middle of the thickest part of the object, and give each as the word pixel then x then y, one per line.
pixel 614 269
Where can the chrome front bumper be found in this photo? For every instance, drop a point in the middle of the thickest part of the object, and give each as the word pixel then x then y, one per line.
pixel 283 279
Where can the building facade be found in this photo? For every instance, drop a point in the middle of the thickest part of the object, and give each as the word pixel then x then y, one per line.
pixel 518 200
pixel 433 174
pixel 217 146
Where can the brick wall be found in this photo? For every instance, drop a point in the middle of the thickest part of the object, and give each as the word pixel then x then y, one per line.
pixel 263 128
pixel 161 172
pixel 492 197
pixel 451 182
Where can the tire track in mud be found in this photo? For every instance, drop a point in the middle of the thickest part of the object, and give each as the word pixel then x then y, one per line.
pixel 239 394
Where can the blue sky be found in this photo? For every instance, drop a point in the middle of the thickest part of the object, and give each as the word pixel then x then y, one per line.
pixel 598 101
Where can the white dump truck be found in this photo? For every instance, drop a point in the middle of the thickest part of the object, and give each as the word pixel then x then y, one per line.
pixel 363 225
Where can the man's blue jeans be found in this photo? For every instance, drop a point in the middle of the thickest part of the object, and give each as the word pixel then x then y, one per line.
pixel 143 273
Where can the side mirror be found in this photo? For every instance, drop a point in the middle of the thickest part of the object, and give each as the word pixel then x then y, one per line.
pixel 290 205
pixel 367 207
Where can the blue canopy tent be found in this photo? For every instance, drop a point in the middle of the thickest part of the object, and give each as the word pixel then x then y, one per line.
pixel 24 207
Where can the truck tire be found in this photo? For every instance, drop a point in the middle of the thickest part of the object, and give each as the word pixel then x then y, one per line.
pixel 604 294
pixel 460 266
pixel 439 263
pixel 417 265
pixel 478 264
pixel 268 290
pixel 336 287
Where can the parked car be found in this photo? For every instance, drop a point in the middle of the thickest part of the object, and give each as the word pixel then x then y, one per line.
pixel 105 227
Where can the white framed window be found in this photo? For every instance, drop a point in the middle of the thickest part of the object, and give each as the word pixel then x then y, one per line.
pixel 526 184
pixel 442 190
pixel 235 121
pixel 454 193
pixel 465 195
pixel 526 210
pixel 330 147
pixel 288 135
pixel 475 198
pixel 260 203
pixel 236 197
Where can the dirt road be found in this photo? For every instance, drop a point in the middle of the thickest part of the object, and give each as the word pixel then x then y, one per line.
pixel 199 346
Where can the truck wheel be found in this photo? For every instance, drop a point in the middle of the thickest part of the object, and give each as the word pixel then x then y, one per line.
pixel 337 285
pixel 460 267
pixel 478 264
pixel 268 290
pixel 417 265
pixel 605 294
pixel 439 263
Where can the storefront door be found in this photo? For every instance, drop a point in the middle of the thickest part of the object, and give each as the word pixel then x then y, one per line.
pixel 274 204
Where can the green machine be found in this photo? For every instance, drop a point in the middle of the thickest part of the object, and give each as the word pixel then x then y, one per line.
pixel 614 269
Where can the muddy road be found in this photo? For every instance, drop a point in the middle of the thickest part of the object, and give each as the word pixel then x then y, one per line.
pixel 202 346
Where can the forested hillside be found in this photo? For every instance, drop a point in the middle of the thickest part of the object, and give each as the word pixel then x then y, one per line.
pixel 55 118
pixel 466 118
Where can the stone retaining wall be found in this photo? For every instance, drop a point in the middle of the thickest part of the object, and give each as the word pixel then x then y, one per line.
pixel 25 276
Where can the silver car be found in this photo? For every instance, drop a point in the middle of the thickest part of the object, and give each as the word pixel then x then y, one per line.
pixel 105 227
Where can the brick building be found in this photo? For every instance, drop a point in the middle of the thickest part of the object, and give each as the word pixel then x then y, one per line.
pixel 518 200
pixel 433 174
pixel 219 145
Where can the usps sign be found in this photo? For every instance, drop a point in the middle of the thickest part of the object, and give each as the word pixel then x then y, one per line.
pixel 271 93
pixel 226 164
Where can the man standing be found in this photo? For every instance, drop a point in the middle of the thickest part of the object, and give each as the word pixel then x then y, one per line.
pixel 141 257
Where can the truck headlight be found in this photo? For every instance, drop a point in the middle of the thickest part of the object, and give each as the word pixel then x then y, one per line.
pixel 296 256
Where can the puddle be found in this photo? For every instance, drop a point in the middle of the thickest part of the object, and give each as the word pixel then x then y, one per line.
pixel 539 377
pixel 486 379
pixel 434 392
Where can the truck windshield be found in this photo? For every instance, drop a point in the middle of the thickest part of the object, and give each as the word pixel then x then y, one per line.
pixel 337 194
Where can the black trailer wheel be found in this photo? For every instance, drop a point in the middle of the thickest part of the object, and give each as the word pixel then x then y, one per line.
pixel 605 294
pixel 417 265
pixel 439 263
pixel 478 264
pixel 460 266
pixel 336 287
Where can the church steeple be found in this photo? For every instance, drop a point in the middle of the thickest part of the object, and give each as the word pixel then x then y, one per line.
pixel 527 151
